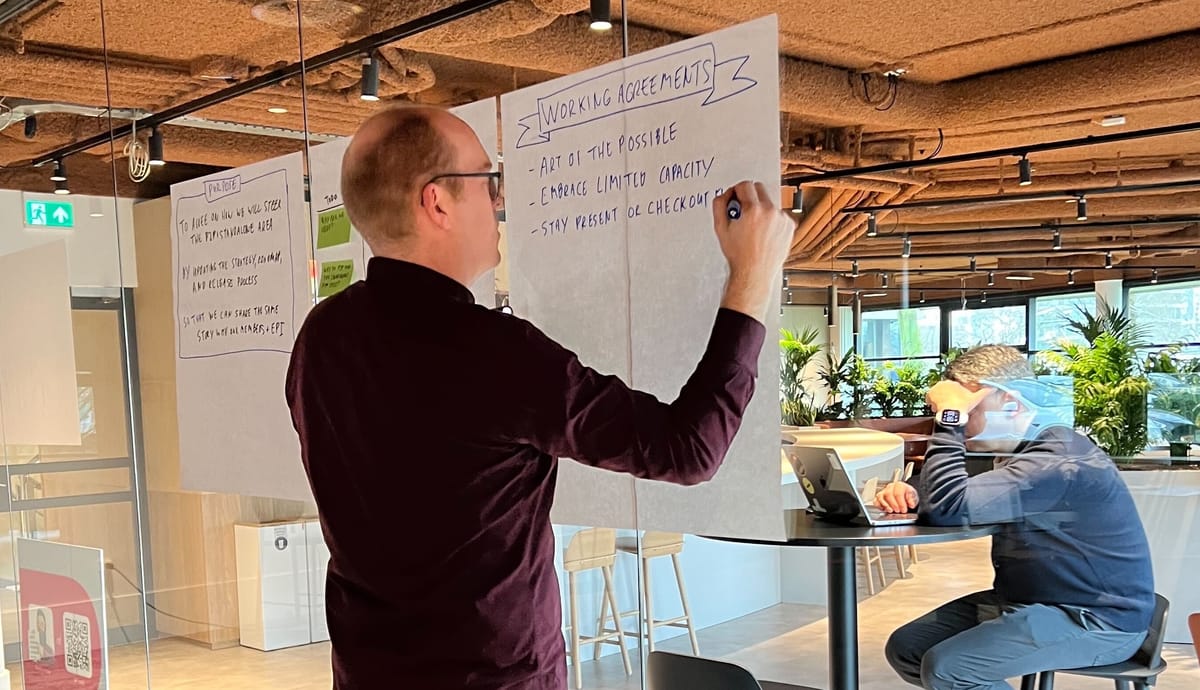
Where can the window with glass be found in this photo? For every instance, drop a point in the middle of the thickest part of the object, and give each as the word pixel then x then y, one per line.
pixel 1170 313
pixel 1051 315
pixel 993 325
pixel 901 333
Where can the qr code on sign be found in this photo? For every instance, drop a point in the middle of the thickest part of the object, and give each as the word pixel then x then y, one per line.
pixel 77 641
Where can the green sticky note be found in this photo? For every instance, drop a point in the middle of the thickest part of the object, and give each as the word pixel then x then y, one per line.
pixel 335 276
pixel 333 228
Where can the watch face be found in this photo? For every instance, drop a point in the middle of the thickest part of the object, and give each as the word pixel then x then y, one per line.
pixel 951 417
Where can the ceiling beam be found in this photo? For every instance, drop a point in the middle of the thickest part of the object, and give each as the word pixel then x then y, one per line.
pixel 361 47
pixel 1009 152
pixel 1028 196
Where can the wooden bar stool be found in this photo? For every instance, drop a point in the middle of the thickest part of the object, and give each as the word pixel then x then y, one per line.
pixel 913 554
pixel 870 488
pixel 656 545
pixel 592 549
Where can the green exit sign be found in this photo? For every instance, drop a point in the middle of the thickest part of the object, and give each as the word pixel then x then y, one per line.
pixel 49 214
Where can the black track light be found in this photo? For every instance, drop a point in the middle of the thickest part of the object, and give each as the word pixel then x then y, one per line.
pixel 789 296
pixel 1081 208
pixel 872 226
pixel 156 148
pixel 991 278
pixel 906 251
pixel 1154 277
pixel 30 126
pixel 854 268
pixel 785 279
pixel 883 280
pixel 1070 277
pixel 921 297
pixel 370 79
pixel 1108 260
pixel 797 201
pixel 1057 246
pixel 60 172
pixel 983 297
pixel 60 187
pixel 972 264
pixel 1025 170
pixel 601 16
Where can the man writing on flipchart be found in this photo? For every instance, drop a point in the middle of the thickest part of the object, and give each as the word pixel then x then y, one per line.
pixel 430 427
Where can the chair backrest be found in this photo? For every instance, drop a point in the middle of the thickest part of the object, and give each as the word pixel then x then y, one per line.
pixel 1150 653
pixel 870 488
pixel 591 548
pixel 667 671
pixel 1194 626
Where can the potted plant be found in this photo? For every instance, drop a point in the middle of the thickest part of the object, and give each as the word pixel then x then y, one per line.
pixel 910 388
pixel 797 405
pixel 1110 384
pixel 850 383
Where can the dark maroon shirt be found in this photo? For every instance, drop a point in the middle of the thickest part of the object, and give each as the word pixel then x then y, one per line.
pixel 430 429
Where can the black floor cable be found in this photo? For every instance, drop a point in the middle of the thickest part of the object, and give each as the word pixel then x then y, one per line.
pixel 152 606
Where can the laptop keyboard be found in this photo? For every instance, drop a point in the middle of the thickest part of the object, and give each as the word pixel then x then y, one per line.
pixel 880 516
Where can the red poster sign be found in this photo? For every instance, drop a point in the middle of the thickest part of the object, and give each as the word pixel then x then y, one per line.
pixel 63 644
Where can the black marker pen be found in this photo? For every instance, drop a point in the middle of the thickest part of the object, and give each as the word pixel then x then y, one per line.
pixel 734 209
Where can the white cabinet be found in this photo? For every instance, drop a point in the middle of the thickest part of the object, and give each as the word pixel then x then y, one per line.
pixel 274 607
pixel 318 565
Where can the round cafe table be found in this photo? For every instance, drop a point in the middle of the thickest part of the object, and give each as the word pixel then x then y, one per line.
pixel 840 540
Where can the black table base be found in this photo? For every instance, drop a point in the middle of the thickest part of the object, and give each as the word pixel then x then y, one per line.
pixel 843 618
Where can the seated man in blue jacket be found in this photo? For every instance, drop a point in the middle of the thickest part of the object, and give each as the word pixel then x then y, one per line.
pixel 1073 585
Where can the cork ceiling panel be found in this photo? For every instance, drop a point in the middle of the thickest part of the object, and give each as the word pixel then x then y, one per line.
pixel 936 40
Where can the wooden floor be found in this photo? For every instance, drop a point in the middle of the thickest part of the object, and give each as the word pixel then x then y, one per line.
pixel 782 643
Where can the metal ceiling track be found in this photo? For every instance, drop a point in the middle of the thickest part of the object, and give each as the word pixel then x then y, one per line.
pixel 1025 252
pixel 363 46
pixel 1026 196
pixel 1049 227
pixel 980 271
pixel 1010 152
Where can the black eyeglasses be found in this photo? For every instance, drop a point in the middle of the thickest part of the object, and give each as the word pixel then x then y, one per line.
pixel 493 176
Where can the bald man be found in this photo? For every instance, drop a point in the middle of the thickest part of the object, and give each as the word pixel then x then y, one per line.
pixel 430 426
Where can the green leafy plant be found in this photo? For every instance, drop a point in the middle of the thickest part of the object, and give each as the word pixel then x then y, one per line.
pixel 1182 395
pixel 851 384
pixel 883 394
pixel 910 388
pixel 797 405
pixel 1111 387
pixel 1107 319
pixel 833 375
pixel 944 361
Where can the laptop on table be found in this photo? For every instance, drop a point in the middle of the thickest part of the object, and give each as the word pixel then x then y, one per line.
pixel 830 493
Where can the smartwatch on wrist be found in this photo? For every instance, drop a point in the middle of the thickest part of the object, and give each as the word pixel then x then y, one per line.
pixel 952 418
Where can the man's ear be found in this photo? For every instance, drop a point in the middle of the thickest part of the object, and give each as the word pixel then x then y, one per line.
pixel 434 205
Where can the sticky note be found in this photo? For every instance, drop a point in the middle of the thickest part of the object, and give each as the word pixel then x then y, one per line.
pixel 335 276
pixel 333 228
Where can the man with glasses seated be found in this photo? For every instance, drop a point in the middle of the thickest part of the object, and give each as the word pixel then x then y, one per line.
pixel 430 426
pixel 1073 585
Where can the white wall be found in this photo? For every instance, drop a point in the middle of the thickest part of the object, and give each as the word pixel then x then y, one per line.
pixel 93 245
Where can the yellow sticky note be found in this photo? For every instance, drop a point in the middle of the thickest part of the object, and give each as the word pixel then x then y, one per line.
pixel 333 228
pixel 335 276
